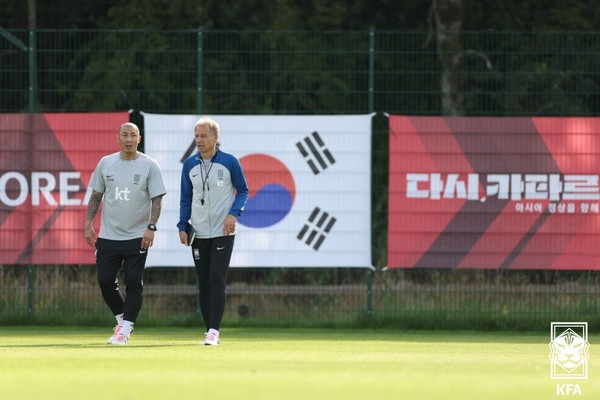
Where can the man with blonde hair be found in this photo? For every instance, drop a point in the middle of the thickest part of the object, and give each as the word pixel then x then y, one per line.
pixel 213 195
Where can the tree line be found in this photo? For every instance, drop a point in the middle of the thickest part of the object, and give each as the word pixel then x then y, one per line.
pixel 319 15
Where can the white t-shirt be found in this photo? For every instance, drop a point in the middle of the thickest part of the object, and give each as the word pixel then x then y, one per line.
pixel 128 187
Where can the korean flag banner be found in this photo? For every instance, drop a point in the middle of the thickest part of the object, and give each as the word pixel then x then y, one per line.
pixel 309 180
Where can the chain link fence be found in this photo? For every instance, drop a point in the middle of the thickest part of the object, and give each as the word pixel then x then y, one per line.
pixel 293 72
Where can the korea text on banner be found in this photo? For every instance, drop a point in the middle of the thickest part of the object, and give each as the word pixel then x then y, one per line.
pixel 46 162
pixel 494 193
pixel 309 181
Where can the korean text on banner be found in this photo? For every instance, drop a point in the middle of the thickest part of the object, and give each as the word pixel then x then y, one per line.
pixel 494 193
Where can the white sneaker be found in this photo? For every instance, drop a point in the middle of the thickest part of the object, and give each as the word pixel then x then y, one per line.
pixel 117 336
pixel 211 338
pixel 120 339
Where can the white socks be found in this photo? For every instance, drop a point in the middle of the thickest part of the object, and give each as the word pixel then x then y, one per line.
pixel 127 327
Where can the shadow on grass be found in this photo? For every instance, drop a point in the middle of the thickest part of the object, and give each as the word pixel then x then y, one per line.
pixel 94 346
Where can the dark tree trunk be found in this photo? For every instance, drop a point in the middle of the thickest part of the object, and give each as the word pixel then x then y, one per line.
pixel 31 14
pixel 448 15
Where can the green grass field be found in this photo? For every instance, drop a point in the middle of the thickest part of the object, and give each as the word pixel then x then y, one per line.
pixel 168 363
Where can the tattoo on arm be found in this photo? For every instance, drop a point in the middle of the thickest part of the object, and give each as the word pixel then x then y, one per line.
pixel 93 206
pixel 156 208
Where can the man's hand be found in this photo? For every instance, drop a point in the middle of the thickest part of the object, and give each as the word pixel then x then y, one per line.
pixel 147 239
pixel 229 225
pixel 183 238
pixel 88 229
pixel 90 235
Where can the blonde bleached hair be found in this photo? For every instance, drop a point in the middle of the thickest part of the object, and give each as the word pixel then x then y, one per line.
pixel 211 123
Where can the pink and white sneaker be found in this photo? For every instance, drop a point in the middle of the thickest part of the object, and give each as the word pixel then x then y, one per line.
pixel 211 338
pixel 121 339
pixel 118 337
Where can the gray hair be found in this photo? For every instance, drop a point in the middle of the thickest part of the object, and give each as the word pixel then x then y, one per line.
pixel 211 123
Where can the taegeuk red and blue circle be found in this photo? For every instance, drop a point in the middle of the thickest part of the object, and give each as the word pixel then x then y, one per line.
pixel 271 191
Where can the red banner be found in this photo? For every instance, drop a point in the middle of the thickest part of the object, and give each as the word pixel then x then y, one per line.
pixel 46 161
pixel 494 193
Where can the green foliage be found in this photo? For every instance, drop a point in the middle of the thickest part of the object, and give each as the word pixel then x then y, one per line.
pixel 285 72
pixel 530 74
pixel 525 15
pixel 532 15
pixel 313 15
pixel 132 70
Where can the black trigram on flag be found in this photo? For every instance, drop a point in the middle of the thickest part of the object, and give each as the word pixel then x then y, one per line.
pixel 316 151
pixel 318 226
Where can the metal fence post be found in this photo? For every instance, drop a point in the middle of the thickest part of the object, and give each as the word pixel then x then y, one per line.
pixel 371 110
pixel 371 70
pixel 369 293
pixel 32 100
pixel 32 81
pixel 198 112
pixel 199 74
pixel 30 280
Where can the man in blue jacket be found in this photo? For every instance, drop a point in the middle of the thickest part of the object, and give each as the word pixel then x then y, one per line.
pixel 213 195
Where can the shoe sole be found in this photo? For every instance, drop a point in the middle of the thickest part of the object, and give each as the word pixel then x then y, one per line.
pixel 115 343
pixel 110 339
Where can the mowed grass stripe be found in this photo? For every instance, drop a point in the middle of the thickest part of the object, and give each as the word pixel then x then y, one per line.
pixel 169 363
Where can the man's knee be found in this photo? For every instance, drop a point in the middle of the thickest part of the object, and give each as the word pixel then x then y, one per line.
pixel 134 288
pixel 107 282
